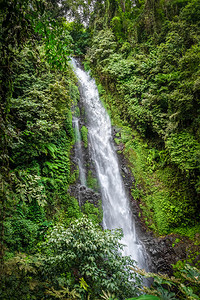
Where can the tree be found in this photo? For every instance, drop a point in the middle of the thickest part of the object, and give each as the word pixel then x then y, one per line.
pixel 90 255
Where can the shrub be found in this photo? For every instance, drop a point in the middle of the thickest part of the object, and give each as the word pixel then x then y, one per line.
pixel 87 252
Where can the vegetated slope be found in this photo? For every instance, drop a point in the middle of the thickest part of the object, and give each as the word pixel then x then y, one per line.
pixel 42 136
pixel 148 57
pixel 35 128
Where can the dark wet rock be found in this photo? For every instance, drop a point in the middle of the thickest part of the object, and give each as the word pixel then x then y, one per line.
pixel 84 194
pixel 125 170
pixel 163 253
pixel 115 130
pixel 119 147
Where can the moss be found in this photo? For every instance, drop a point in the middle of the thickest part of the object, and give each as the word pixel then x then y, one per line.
pixel 92 182
pixel 93 213
pixel 77 112
pixel 84 135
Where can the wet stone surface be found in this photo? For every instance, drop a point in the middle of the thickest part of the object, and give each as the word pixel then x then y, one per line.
pixel 84 194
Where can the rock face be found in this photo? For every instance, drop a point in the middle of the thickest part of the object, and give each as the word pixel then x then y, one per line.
pixel 84 194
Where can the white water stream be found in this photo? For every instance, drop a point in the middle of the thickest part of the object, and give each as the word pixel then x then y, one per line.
pixel 116 205
pixel 78 151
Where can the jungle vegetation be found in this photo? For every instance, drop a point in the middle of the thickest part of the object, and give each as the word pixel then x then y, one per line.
pixel 145 55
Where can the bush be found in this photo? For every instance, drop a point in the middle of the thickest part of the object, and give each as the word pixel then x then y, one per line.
pixel 87 252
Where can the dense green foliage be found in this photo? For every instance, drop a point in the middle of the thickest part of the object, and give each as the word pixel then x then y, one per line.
pixel 148 58
pixel 32 123
pixel 76 248
pixel 39 148
pixel 80 37
pixel 184 285
pixel 40 120
pixel 78 261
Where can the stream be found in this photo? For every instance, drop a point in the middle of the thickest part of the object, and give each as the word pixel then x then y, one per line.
pixel 115 201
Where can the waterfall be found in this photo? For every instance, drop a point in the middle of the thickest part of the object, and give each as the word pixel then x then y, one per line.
pixel 115 203
pixel 78 150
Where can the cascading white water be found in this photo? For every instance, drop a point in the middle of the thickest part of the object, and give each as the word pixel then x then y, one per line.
pixel 78 151
pixel 116 205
